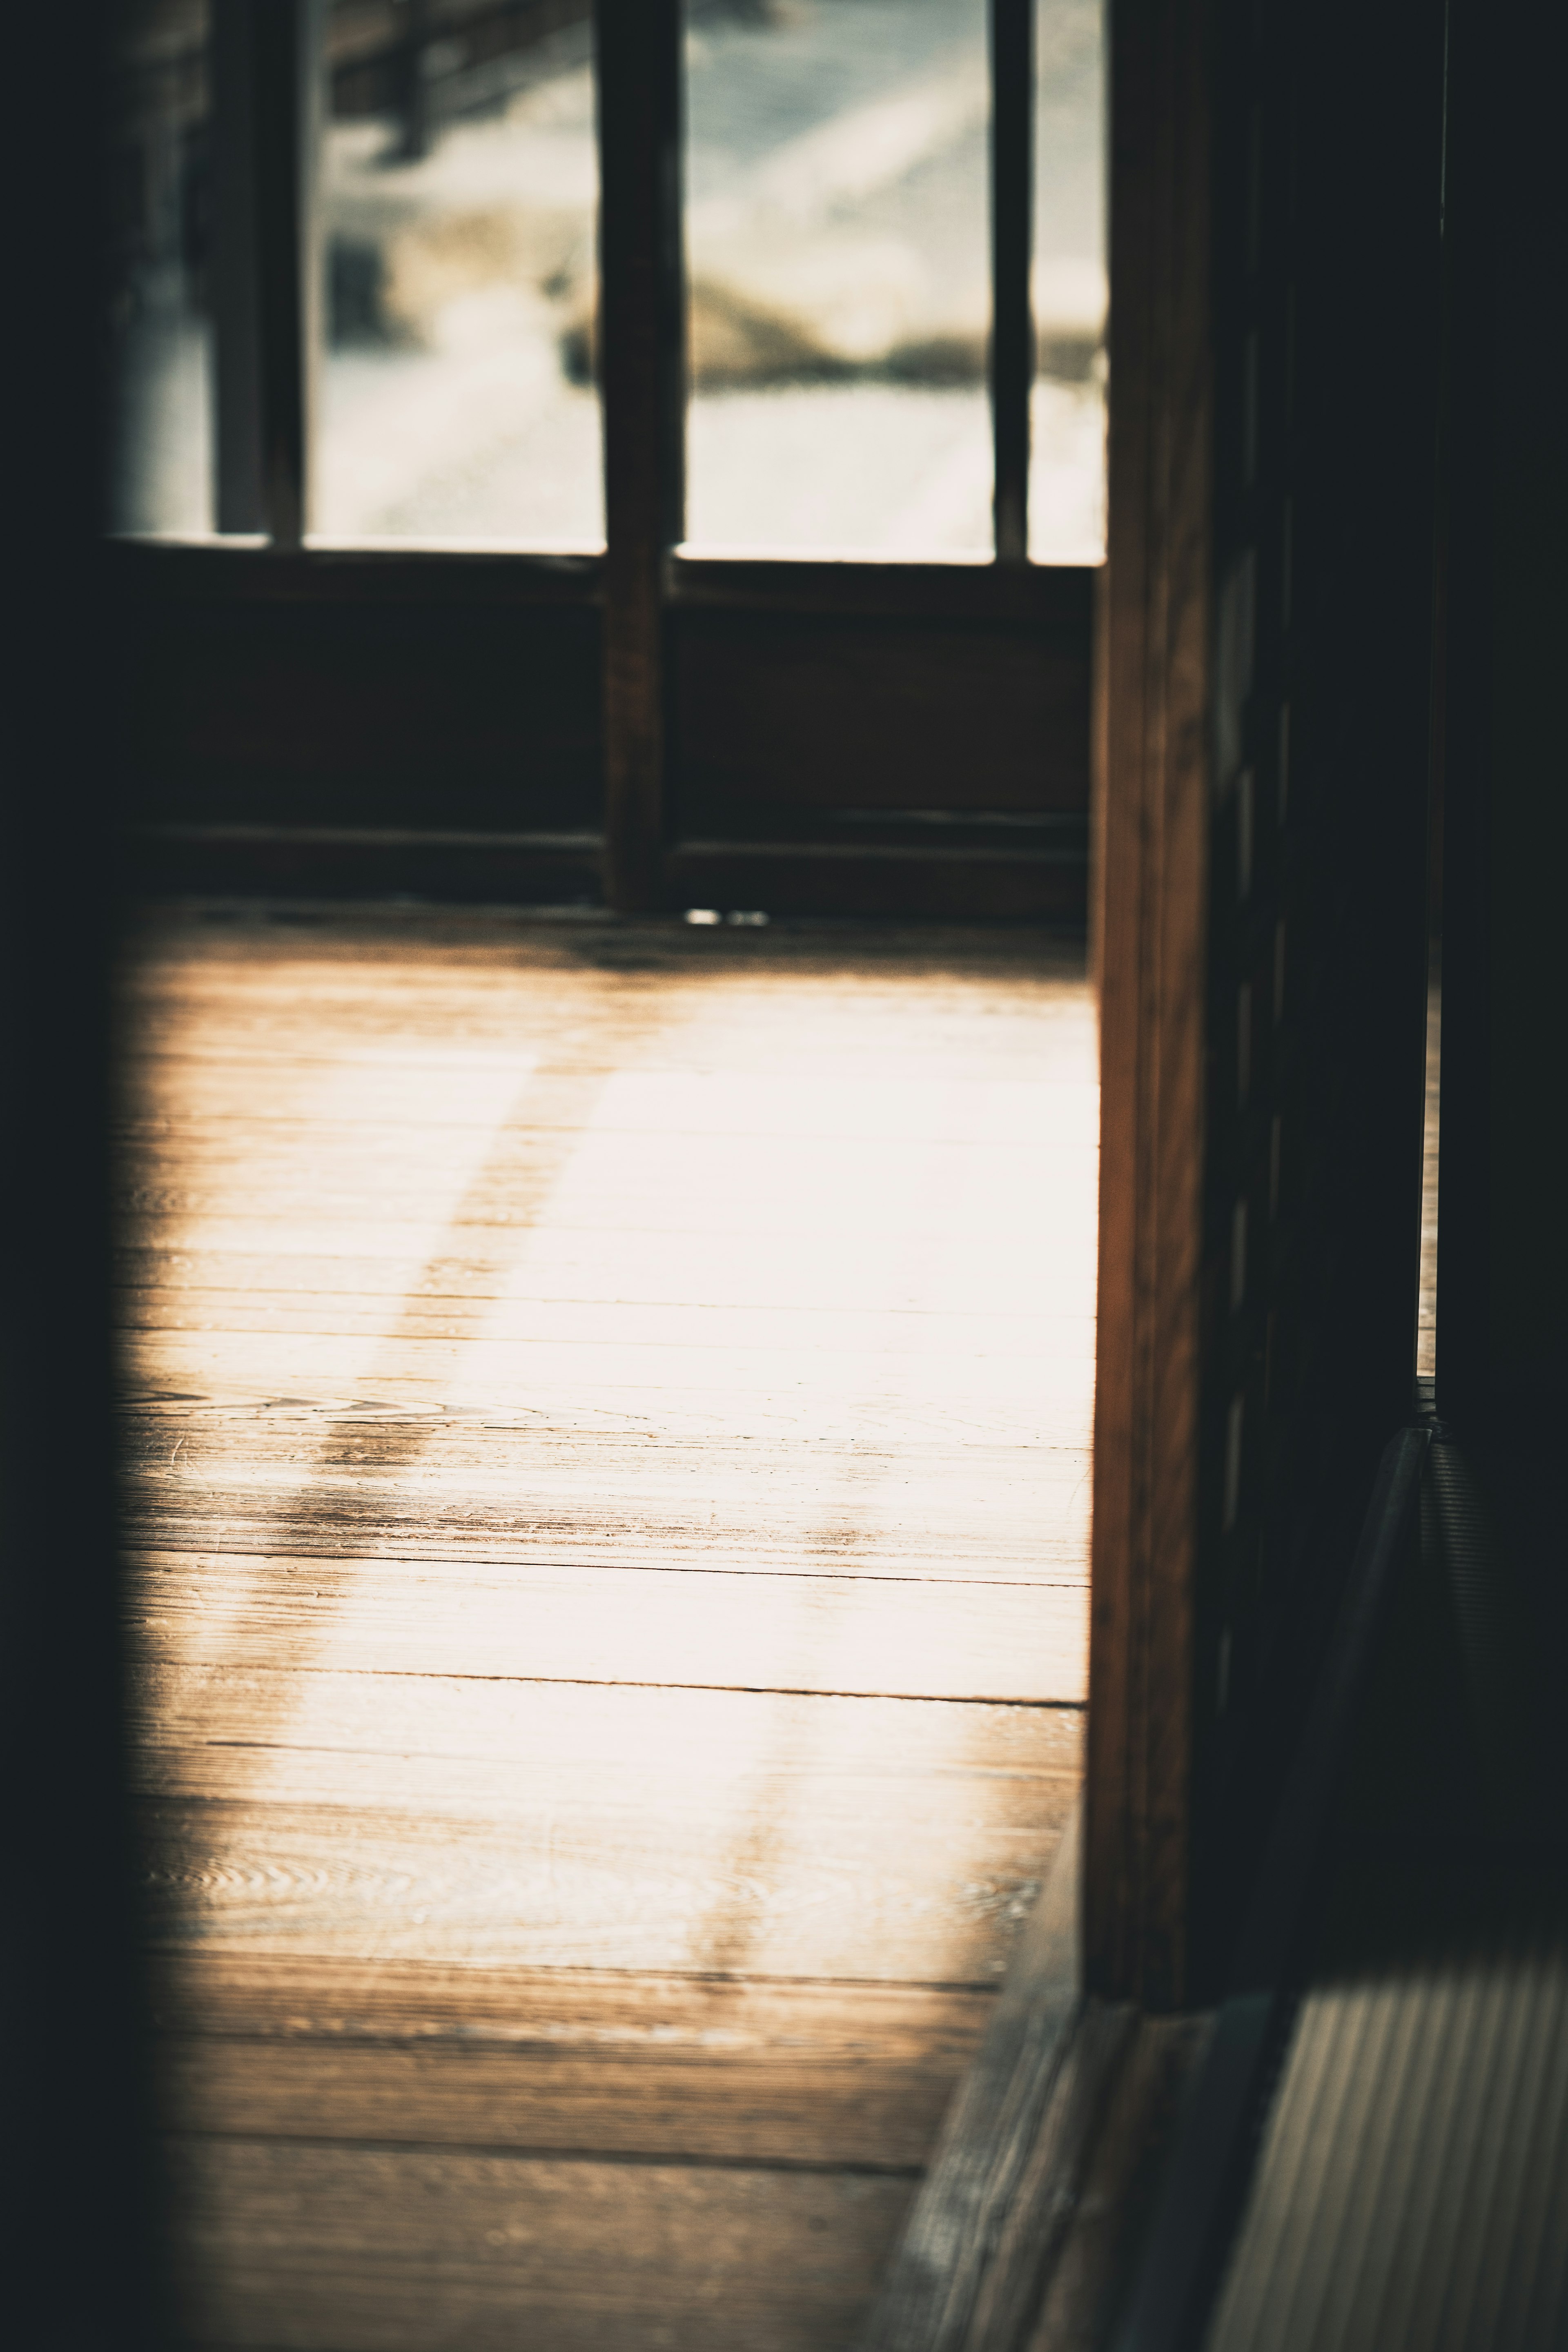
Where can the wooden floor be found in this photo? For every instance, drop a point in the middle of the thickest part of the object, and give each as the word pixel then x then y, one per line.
pixel 608 1432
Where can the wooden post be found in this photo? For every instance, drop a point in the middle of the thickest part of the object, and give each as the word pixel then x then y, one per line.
pixel 236 440
pixel 1153 909
pixel 1261 951
pixel 266 68
pixel 641 376
pixel 285 64
pixel 1012 323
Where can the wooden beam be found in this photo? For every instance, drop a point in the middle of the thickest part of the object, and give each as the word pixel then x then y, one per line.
pixel 1152 959
pixel 265 279
pixel 641 377
pixel 236 369
pixel 1012 323
pixel 942 2265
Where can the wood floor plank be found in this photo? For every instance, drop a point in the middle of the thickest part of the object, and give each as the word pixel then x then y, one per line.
pixel 199 1109
pixel 296 1057
pixel 618 1624
pixel 785 1332
pixel 650 2067
pixel 1047 1274
pixel 558 1479
pixel 755 1188
pixel 588 1735
pixel 855 1514
pixel 395 2249
pixel 902 1897
pixel 550 1825
pixel 582 1030
pixel 701 1390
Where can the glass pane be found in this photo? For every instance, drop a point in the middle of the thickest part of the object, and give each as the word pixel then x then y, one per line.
pixel 837 251
pixel 1067 467
pixel 458 194
pixel 160 460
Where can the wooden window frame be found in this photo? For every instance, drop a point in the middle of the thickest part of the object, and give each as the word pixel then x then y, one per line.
pixel 646 587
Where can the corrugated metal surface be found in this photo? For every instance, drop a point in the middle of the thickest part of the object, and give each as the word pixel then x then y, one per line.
pixel 1412 2193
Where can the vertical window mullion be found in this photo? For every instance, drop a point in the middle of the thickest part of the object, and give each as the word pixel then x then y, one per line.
pixel 265 72
pixel 642 385
pixel 236 440
pixel 287 68
pixel 1012 326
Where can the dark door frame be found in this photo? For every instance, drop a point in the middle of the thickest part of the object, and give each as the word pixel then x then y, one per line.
pixel 1265 733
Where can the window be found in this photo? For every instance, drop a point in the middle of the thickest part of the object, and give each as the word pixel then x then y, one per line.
pixel 395 203
pixel 839 281
pixel 161 375
pixel 598 439
pixel 457 195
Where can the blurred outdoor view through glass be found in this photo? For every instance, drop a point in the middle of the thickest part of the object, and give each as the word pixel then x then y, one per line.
pixel 839 261
pixel 837 254
pixel 838 277
pixel 458 200
pixel 160 337
pixel 1067 283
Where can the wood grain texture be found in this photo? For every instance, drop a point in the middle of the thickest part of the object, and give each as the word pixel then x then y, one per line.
pixel 567 1825
pixel 1151 976
pixel 606 1461
pixel 1096 2253
pixel 696 1626
pixel 628 2065
pixel 940 2277
pixel 362 1473
pixel 363 2249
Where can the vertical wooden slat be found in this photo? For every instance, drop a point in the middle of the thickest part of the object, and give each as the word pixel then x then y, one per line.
pixel 1262 944
pixel 1012 325
pixel 236 361
pixel 641 376
pixel 265 289
pixel 1152 1008
pixel 283 55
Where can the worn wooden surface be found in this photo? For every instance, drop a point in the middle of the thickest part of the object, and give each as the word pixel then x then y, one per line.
pixel 395 2249
pixel 1025 2232
pixel 939 2285
pixel 1095 2249
pixel 607 1449
pixel 1153 904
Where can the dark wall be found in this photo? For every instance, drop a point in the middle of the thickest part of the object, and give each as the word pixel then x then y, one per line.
pixel 73 2152
pixel 782 733
pixel 346 695
pixel 1502 1302
pixel 837 739
pixel 1327 289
